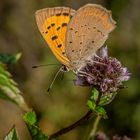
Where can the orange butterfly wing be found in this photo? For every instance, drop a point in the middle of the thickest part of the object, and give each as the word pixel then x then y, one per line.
pixel 52 23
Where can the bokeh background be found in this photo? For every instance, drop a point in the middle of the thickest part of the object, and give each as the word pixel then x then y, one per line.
pixel 67 103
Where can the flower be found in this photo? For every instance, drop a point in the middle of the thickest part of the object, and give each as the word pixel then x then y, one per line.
pixel 100 136
pixel 103 72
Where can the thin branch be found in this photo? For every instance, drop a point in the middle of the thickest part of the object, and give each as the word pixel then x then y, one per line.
pixel 96 122
pixel 84 119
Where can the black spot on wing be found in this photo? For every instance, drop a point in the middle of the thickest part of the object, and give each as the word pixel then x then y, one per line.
pixel 58 14
pixel 66 14
pixel 59 46
pixel 48 27
pixel 58 28
pixel 63 53
pixel 54 38
pixel 71 28
pixel 53 24
pixel 99 31
pixel 64 24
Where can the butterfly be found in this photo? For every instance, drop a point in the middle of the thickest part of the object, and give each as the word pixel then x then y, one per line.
pixel 75 36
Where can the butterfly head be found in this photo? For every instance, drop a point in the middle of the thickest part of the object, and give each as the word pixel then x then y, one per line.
pixel 65 68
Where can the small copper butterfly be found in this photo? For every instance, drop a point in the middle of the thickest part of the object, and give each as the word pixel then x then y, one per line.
pixel 75 36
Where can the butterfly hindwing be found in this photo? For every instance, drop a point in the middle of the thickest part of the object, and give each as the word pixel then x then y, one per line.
pixel 86 33
pixel 52 23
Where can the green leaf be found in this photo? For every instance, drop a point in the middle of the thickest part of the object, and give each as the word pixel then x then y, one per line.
pixel 12 135
pixel 101 111
pixel 91 104
pixel 9 89
pixel 95 94
pixel 10 59
pixel 35 131
pixel 30 117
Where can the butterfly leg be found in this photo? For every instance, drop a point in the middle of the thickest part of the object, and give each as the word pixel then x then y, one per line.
pixel 60 70
pixel 85 73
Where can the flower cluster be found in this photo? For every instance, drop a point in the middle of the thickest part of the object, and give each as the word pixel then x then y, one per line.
pixel 102 136
pixel 103 72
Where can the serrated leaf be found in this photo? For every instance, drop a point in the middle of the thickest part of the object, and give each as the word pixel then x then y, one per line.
pixel 2 70
pixel 5 97
pixel 35 131
pixel 95 94
pixel 9 89
pixel 10 58
pixel 12 135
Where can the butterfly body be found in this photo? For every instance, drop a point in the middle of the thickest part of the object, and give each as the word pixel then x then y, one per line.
pixel 75 36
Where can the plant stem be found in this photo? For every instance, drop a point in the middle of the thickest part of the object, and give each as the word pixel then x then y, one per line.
pixel 95 125
pixel 81 121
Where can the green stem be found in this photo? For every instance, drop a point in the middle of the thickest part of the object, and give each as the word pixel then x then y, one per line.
pixel 95 125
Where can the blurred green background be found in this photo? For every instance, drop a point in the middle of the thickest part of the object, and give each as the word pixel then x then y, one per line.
pixel 67 103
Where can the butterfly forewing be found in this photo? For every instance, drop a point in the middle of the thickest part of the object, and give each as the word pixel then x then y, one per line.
pixel 52 23
pixel 86 33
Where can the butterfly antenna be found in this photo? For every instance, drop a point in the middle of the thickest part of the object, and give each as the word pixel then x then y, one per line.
pixel 37 66
pixel 62 76
pixel 54 79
